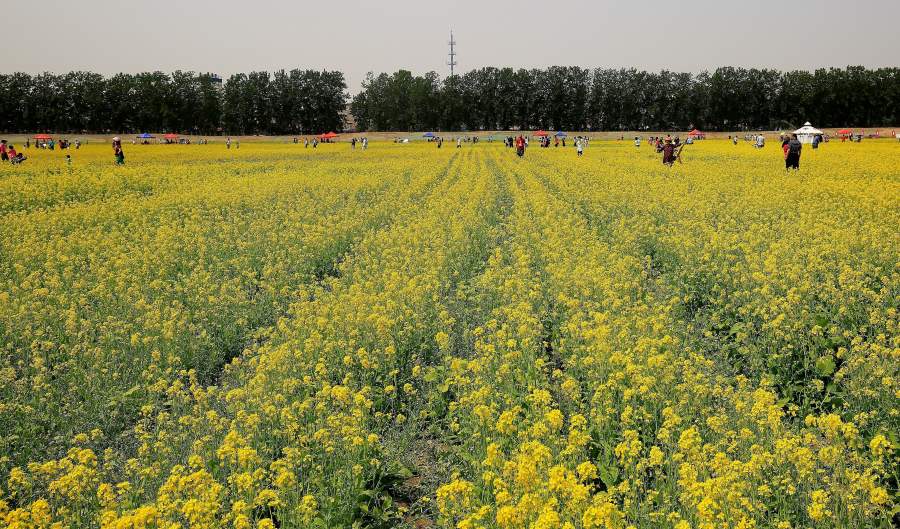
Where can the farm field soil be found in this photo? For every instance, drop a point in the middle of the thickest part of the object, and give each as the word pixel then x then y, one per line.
pixel 407 336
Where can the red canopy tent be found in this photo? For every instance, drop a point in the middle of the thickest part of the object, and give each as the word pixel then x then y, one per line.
pixel 43 137
pixel 697 134
pixel 541 134
pixel 328 136
pixel 170 136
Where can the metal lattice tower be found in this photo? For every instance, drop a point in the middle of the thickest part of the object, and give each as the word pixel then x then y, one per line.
pixel 452 63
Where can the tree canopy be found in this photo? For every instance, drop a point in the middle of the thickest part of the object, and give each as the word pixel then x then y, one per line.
pixel 295 102
pixel 573 98
pixel 558 97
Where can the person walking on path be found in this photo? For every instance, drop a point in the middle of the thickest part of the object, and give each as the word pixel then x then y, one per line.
pixel 792 150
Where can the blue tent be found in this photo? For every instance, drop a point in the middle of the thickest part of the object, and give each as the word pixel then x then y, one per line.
pixel 145 136
pixel 561 134
pixel 428 135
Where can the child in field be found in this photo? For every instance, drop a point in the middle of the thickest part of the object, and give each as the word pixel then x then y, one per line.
pixel 14 157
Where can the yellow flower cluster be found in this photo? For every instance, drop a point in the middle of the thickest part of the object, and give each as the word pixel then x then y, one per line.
pixel 458 338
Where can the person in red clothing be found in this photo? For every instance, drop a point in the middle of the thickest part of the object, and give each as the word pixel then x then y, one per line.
pixel 4 156
pixel 15 158
pixel 792 149
pixel 668 151
pixel 520 146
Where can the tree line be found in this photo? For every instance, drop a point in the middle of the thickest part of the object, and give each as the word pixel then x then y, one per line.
pixel 573 98
pixel 558 97
pixel 285 102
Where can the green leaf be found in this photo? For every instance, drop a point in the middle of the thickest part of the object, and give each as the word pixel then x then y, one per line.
pixel 609 474
pixel 825 366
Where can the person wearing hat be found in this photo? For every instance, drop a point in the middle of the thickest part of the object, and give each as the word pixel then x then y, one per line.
pixel 668 151
pixel 118 152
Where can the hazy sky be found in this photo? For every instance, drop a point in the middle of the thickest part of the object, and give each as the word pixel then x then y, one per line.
pixel 228 36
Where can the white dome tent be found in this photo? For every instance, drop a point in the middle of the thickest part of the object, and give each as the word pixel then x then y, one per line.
pixel 807 132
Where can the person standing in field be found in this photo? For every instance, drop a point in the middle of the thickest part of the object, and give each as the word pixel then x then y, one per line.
pixel 459 143
pixel 792 150
pixel 520 146
pixel 579 147
pixel 118 152
pixel 228 143
pixel 4 155
pixel 734 140
pixel 668 151
pixel 637 141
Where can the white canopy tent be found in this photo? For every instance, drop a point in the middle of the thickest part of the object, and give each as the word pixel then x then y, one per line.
pixel 807 132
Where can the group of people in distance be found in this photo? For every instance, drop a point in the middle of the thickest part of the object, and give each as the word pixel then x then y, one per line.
pixel 520 143
pixel 669 148
pixel 9 154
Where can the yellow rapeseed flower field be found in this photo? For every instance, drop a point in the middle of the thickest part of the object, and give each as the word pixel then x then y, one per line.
pixel 407 336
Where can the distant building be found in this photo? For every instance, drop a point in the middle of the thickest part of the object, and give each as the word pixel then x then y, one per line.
pixel 217 81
